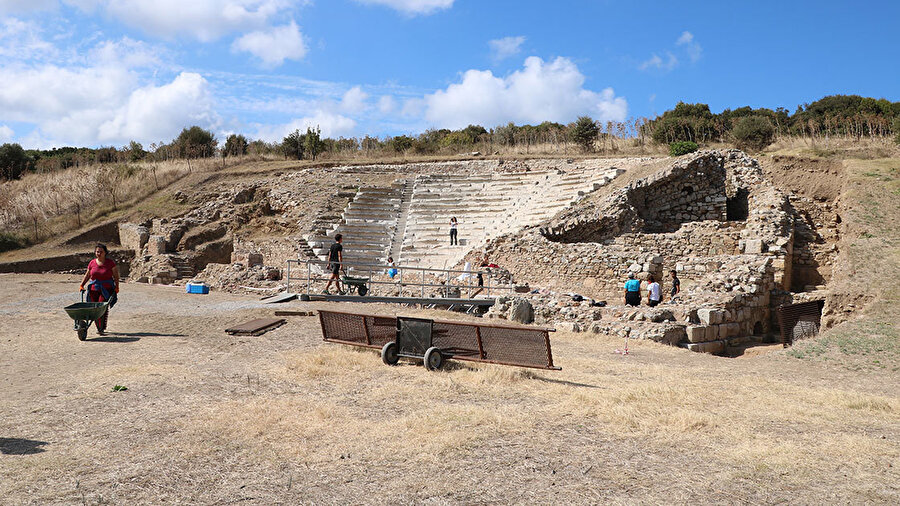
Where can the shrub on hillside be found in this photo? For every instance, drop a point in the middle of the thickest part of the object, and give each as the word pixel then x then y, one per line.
pixel 10 242
pixel 13 161
pixel 584 133
pixel 195 142
pixel 682 148
pixel 896 129
pixel 753 132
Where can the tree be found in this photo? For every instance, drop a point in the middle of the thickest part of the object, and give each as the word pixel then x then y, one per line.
pixel 134 151
pixel 235 145
pixel 13 161
pixel 293 145
pixel 313 142
pixel 401 143
pixel 896 129
pixel 195 142
pixel 753 132
pixel 584 131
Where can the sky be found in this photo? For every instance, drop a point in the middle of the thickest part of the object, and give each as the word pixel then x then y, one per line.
pixel 105 72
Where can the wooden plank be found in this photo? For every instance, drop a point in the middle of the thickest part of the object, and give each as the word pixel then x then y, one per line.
pixel 256 327
pixel 295 313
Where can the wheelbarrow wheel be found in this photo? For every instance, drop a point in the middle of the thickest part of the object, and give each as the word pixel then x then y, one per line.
pixel 82 333
pixel 434 359
pixel 389 353
pixel 362 290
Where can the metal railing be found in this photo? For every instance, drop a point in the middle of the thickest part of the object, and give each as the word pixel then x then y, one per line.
pixel 799 321
pixel 411 281
pixel 518 345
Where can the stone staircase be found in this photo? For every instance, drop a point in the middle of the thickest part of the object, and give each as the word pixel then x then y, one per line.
pixel 368 225
pixel 182 267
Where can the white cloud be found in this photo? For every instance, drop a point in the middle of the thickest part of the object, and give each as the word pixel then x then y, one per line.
pixel 159 112
pixel 386 104
pixel 541 91
pixel 273 45
pixel 655 61
pixel 412 7
pixel 506 47
pixel 19 6
pixel 354 101
pixel 21 40
pixel 332 125
pixel 6 133
pixel 686 43
pixel 204 20
pixel 126 52
pixel 693 49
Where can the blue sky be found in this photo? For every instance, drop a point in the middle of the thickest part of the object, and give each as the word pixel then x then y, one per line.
pixel 103 72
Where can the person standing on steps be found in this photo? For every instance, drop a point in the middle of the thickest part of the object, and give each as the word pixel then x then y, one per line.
pixel 335 263
pixel 632 291
pixel 453 231
pixel 676 285
pixel 654 292
pixel 103 274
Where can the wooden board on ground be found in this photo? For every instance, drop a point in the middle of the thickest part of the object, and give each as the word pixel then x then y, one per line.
pixel 281 297
pixel 256 327
pixel 295 313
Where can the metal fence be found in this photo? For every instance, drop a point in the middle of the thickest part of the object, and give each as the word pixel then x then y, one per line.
pixel 799 321
pixel 410 281
pixel 496 344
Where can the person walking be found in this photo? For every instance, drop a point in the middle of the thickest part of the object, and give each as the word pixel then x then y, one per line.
pixel 453 231
pixel 335 263
pixel 654 292
pixel 632 291
pixel 103 274
pixel 676 285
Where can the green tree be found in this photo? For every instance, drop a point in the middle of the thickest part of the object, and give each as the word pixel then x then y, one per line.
pixel 13 161
pixel 235 145
pixel 896 129
pixel 135 151
pixel 293 145
pixel 753 132
pixel 195 142
pixel 401 143
pixel 312 142
pixel 584 131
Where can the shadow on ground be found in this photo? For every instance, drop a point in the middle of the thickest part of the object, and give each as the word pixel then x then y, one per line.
pixel 20 446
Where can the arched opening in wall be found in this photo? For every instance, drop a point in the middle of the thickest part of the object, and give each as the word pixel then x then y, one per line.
pixel 757 329
pixel 737 208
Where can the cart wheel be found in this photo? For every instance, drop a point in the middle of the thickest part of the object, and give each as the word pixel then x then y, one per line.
pixel 389 353
pixel 82 333
pixel 362 290
pixel 433 359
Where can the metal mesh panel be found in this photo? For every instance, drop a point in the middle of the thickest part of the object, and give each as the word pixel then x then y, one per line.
pixel 799 321
pixel 499 344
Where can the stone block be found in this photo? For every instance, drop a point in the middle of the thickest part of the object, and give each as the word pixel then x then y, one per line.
pixel 696 334
pixel 710 316
pixel 754 246
pixel 712 332
pixel 714 347
pixel 732 329
pixel 133 236
pixel 156 245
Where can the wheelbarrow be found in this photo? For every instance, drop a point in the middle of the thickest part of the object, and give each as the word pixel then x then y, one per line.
pixel 415 340
pixel 84 314
pixel 361 285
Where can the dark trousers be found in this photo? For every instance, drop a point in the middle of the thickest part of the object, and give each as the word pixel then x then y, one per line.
pixel 453 240
pixel 97 296
pixel 633 298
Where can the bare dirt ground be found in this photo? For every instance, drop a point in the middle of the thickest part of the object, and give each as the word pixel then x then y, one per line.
pixel 284 418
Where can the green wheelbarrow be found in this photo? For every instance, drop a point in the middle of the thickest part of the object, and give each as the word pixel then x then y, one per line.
pixel 361 285
pixel 84 314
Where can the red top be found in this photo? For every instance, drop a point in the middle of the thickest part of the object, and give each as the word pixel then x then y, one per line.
pixel 101 272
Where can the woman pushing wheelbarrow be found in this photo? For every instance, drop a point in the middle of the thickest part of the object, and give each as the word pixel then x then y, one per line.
pixel 102 278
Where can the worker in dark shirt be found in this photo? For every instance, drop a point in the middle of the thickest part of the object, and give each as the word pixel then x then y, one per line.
pixel 676 285
pixel 335 263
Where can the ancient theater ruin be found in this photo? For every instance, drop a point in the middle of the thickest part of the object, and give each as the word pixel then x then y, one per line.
pixel 565 234
pixel 712 217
